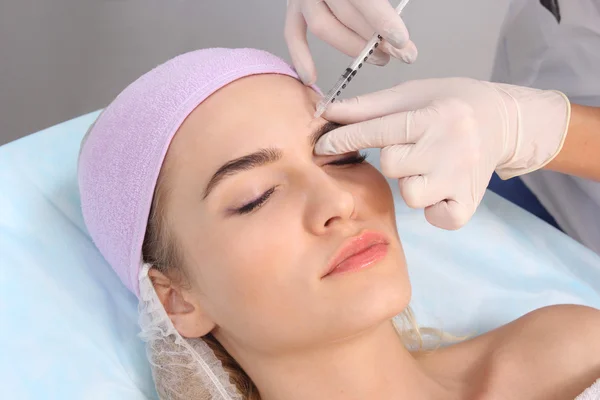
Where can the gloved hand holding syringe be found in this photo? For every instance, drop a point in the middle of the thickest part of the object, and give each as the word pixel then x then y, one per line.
pixel 441 138
pixel 353 68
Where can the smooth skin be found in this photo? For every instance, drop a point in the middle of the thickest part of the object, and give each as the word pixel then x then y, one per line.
pixel 255 280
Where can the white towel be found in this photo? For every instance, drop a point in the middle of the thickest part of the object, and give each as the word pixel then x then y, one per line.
pixel 591 393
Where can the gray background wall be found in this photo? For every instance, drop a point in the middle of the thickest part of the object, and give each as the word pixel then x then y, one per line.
pixel 62 58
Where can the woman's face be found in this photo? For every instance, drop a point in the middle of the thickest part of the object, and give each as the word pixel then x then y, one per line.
pixel 259 220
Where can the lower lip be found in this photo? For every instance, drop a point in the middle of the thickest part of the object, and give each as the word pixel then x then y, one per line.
pixel 364 259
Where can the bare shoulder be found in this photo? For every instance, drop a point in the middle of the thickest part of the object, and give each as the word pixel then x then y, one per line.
pixel 555 348
pixel 555 325
pixel 552 353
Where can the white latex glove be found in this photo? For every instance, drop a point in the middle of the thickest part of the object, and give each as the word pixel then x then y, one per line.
pixel 461 130
pixel 346 25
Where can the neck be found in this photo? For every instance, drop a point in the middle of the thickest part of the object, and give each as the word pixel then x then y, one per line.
pixel 373 365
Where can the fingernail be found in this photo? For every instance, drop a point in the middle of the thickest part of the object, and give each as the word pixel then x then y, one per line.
pixel 408 54
pixel 305 77
pixel 397 39
pixel 324 147
pixel 378 58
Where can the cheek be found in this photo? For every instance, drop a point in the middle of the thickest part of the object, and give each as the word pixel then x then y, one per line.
pixel 244 269
pixel 372 189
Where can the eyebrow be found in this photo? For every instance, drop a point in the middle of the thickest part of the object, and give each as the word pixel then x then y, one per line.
pixel 322 130
pixel 258 159
pixel 244 163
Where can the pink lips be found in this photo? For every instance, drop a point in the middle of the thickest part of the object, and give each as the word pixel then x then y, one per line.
pixel 358 252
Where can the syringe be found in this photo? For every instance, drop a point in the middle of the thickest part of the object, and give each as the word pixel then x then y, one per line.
pixel 353 68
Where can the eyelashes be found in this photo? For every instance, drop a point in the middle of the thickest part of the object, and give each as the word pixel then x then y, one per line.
pixel 351 159
pixel 253 205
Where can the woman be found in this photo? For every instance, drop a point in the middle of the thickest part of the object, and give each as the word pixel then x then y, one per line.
pixel 282 269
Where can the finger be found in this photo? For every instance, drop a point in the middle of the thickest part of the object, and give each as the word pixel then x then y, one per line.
pixel 394 129
pixel 295 37
pixel 348 15
pixel 408 53
pixel 326 27
pixel 410 95
pixel 419 191
pixel 382 17
pixel 449 214
pixel 400 161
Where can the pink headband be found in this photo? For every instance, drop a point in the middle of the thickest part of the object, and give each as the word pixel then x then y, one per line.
pixel 122 155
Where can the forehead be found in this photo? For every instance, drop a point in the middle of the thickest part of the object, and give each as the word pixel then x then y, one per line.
pixel 250 113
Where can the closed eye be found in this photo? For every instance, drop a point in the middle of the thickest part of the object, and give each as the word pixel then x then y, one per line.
pixel 255 204
pixel 350 159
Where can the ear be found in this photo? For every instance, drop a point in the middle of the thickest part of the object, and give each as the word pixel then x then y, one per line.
pixel 184 311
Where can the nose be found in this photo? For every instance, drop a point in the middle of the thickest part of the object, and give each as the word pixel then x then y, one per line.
pixel 330 205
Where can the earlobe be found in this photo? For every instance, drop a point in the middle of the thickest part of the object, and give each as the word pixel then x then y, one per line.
pixel 185 313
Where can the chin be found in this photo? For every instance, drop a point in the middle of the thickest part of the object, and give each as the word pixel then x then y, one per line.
pixel 388 295
pixel 375 295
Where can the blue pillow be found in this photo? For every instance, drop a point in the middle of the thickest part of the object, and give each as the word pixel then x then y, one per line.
pixel 68 324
